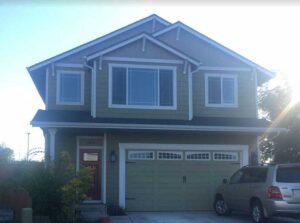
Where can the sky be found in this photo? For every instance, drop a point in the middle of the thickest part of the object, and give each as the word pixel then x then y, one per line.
pixel 32 32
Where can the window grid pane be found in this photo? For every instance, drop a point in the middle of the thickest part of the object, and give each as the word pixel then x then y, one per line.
pixel 140 155
pixel 228 90
pixel 166 87
pixel 119 85
pixel 214 90
pixel 70 88
pixel 170 155
pixel 197 156
pixel 226 156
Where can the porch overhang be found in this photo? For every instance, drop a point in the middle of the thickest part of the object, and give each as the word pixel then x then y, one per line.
pixel 83 119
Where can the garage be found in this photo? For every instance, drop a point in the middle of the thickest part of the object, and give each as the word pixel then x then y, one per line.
pixel 178 178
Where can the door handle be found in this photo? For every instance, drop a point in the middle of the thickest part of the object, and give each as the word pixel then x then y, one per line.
pixel 184 179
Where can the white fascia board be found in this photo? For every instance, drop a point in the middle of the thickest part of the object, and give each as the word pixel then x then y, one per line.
pixel 149 38
pixel 96 41
pixel 157 127
pixel 215 44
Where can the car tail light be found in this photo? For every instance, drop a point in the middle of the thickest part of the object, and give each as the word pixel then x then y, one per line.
pixel 274 193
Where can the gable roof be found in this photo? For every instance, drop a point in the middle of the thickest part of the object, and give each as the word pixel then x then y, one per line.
pixel 149 38
pixel 215 44
pixel 98 40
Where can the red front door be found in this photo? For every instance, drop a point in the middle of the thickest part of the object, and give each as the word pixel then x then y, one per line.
pixel 92 158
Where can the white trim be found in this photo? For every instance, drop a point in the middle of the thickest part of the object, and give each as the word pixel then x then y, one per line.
pixel 82 77
pixel 222 104
pixel 214 68
pixel 69 65
pixel 148 146
pixel 151 39
pixel 255 92
pixel 103 151
pixel 47 88
pixel 190 93
pixel 215 44
pixel 94 90
pixel 132 152
pixel 158 127
pixel 236 154
pixel 97 41
pixel 142 60
pixel 178 33
pixel 197 152
pixel 172 152
pixel 52 133
pixel 157 107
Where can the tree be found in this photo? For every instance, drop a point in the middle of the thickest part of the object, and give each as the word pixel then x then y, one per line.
pixel 6 154
pixel 277 105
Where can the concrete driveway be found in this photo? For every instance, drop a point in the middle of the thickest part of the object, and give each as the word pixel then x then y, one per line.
pixel 188 217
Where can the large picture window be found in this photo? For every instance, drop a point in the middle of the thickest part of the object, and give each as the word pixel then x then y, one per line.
pixel 70 87
pixel 221 90
pixel 142 86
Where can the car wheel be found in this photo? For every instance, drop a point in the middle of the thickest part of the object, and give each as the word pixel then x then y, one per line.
pixel 257 212
pixel 221 207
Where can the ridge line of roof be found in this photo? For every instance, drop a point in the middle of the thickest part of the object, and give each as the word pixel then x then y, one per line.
pixel 96 41
pixel 214 43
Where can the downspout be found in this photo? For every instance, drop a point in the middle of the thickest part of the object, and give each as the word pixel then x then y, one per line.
pixel 85 64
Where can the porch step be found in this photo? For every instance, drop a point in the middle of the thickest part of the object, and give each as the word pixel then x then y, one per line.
pixel 92 212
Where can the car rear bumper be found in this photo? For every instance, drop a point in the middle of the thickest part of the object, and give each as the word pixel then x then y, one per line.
pixel 282 208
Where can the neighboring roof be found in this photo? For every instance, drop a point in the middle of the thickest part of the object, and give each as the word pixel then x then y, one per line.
pixel 149 38
pixel 215 44
pixel 83 119
pixel 96 41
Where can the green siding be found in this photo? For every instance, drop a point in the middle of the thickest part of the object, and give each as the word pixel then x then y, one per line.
pixel 152 51
pixel 52 81
pixel 246 97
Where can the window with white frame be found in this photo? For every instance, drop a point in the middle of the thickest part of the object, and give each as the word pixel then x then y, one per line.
pixel 197 155
pixel 226 156
pixel 221 90
pixel 70 87
pixel 169 155
pixel 140 155
pixel 142 86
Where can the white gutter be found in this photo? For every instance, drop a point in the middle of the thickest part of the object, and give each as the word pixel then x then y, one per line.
pixel 156 127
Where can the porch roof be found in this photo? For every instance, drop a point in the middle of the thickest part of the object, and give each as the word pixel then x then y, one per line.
pixel 83 119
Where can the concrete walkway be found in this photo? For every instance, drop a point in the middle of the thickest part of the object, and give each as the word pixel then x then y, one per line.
pixel 188 217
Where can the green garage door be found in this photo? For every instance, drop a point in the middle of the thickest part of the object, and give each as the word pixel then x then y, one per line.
pixel 176 180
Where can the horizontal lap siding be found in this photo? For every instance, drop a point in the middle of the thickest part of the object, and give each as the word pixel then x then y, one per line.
pixel 154 52
pixel 246 97
pixel 113 140
pixel 52 81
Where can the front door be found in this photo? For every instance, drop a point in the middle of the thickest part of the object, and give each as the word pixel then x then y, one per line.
pixel 92 158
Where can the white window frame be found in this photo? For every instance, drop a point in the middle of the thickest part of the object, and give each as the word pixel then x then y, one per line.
pixel 76 72
pixel 227 153
pixel 175 152
pixel 110 103
pixel 222 104
pixel 197 152
pixel 140 151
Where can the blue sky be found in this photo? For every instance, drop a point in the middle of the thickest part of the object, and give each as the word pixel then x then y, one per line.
pixel 31 33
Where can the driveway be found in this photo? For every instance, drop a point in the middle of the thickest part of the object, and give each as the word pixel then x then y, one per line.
pixel 188 217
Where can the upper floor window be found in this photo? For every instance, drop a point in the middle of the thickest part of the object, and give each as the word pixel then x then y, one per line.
pixel 221 90
pixel 134 86
pixel 70 86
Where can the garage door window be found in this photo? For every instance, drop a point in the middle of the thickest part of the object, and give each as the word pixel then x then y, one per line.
pixel 226 156
pixel 170 155
pixel 140 155
pixel 197 156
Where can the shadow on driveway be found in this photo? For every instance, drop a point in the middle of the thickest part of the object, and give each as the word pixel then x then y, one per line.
pixel 189 217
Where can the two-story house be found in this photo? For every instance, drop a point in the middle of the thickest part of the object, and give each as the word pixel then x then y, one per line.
pixel 160 111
